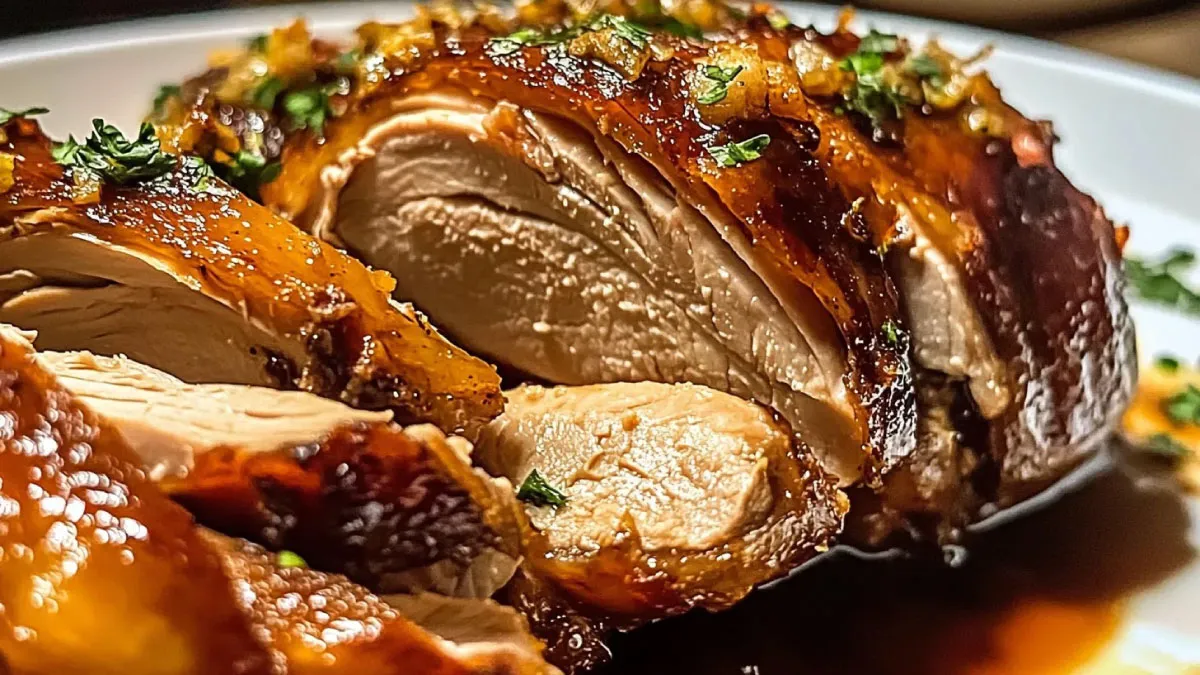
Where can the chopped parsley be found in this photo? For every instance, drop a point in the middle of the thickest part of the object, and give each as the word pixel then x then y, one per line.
pixel 258 43
pixel 871 95
pixel 926 67
pixel 7 115
pixel 719 89
pixel 633 33
pixel 1169 364
pixel 264 94
pixel 249 171
pixel 200 173
pixel 891 332
pixel 1162 445
pixel 503 46
pixel 165 93
pixel 736 154
pixel 289 560
pixel 535 490
pixel 1160 281
pixel 676 27
pixel 108 155
pixel 1184 407
pixel 309 108
pixel 778 20
pixel 346 62
pixel 878 43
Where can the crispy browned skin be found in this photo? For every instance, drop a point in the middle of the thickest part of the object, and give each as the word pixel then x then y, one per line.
pixel 366 501
pixel 359 348
pixel 102 573
pixel 1039 260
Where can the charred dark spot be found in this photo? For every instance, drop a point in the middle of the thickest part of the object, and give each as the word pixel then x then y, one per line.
pixel 279 367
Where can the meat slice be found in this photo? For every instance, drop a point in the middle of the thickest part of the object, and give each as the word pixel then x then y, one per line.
pixel 395 509
pixel 103 574
pixel 604 200
pixel 676 496
pixel 211 287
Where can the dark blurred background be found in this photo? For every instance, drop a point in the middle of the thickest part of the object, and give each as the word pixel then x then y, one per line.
pixel 1164 33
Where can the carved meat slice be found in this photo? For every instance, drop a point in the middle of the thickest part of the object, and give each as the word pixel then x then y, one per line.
pixel 815 222
pixel 103 574
pixel 391 508
pixel 676 496
pixel 211 287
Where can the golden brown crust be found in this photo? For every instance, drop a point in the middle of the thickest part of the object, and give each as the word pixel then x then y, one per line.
pixel 1038 260
pixel 359 348
pixel 367 501
pixel 104 574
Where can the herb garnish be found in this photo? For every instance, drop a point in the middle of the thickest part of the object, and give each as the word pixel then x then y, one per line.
pixel 7 115
pixel 633 33
pixel 878 43
pixel 258 43
pixel 264 93
pixel 719 88
pixel 503 46
pixel 891 333
pixel 778 20
pixel 535 490
pixel 736 154
pixel 1159 281
pixel 871 95
pixel 926 67
pixel 108 155
pixel 289 559
pixel 1184 407
pixel 165 93
pixel 1162 445
pixel 249 171
pixel 1168 363
pixel 309 108
pixel 676 27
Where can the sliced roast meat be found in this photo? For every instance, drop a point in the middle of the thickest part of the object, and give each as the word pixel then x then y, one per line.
pixel 675 496
pixel 732 210
pixel 109 576
pixel 395 509
pixel 211 287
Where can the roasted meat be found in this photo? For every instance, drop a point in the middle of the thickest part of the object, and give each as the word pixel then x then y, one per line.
pixel 185 274
pixel 650 499
pixel 687 193
pixel 395 509
pixel 102 573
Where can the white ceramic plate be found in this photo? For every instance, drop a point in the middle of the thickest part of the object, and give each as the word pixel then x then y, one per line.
pixel 1130 137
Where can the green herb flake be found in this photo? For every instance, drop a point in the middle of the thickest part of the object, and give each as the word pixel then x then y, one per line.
pixel 535 490
pixel 926 67
pixel 165 93
pixel 7 115
pixel 1168 364
pixel 736 154
pixel 633 33
pixel 512 43
pixel 1161 281
pixel 309 108
pixel 685 30
pixel 107 154
pixel 258 43
pixel 1165 447
pixel 265 93
pixel 347 62
pixel 249 171
pixel 289 560
pixel 891 332
pixel 879 43
pixel 778 20
pixel 1184 407
pixel 719 89
pixel 870 94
